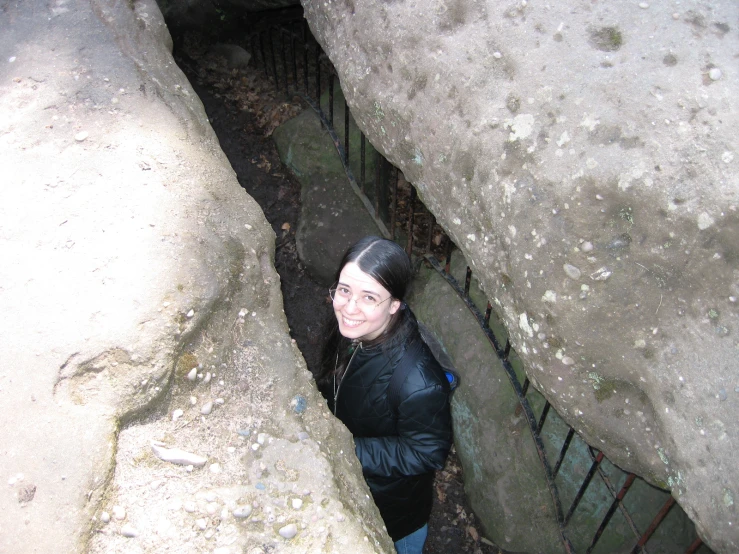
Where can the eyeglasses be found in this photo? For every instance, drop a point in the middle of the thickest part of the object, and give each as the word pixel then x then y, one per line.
pixel 367 302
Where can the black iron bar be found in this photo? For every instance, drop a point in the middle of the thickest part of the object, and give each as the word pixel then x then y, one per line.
pixel 349 174
pixel 432 224
pixel 526 383
pixel 284 63
pixel 274 57
pixel 394 211
pixel 584 487
pixel 378 170
pixel 563 451
pixel 611 510
pixel 346 129
pixel 524 390
pixel 264 57
pixel 543 417
pixel 467 281
pixel 362 169
pixel 318 76
pixel 612 490
pixel 664 510
pixel 695 545
pixel 305 61
pixel 411 218
pixel 448 261
pixel 331 98
pixel 295 61
pixel 531 420
pixel 488 313
pixel 507 349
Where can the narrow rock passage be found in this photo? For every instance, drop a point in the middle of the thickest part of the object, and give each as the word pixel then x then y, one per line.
pixel 243 110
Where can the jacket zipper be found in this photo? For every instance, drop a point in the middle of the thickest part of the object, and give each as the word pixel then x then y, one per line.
pixel 346 371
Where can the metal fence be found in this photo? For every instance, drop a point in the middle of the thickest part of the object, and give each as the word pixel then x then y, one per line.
pixel 284 48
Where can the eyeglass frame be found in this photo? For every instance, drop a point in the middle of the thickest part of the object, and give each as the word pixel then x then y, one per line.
pixel 332 292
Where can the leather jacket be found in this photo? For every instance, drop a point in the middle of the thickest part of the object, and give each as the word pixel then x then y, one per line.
pixel 399 449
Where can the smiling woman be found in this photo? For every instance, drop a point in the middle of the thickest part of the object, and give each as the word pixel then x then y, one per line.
pixel 402 425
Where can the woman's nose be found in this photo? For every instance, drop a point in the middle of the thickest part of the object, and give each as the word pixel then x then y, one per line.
pixel 348 308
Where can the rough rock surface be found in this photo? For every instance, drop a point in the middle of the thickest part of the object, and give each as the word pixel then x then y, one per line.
pixel 142 315
pixel 504 478
pixel 584 157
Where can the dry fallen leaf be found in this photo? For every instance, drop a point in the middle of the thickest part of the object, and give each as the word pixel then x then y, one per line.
pixel 286 226
pixel 473 533
pixel 441 495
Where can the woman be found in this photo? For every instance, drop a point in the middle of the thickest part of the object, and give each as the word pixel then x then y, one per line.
pixel 402 435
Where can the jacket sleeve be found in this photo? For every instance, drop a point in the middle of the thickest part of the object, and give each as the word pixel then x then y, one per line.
pixel 423 441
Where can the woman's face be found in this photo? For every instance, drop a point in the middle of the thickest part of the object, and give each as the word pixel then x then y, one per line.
pixel 356 320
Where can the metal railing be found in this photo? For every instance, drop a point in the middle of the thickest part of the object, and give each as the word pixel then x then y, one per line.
pixel 292 58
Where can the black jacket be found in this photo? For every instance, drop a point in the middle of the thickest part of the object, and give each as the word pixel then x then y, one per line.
pixel 399 451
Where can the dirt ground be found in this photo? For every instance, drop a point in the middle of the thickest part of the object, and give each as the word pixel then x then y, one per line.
pixel 244 109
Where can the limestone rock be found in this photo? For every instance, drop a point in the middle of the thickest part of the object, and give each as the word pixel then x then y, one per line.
pixel 530 129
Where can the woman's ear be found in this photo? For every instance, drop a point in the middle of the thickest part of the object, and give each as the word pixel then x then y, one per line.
pixel 394 306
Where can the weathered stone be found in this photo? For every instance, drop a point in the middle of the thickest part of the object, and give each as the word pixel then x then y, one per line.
pixel 504 478
pixel 126 260
pixel 529 129
pixel 332 216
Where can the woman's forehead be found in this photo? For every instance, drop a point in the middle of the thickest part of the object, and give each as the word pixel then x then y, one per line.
pixel 354 277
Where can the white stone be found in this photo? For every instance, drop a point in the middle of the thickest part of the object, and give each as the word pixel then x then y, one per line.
pixel 297 503
pixel 243 511
pixel 129 531
pixel 715 74
pixel 288 531
pixel 177 456
pixel 119 512
pixel 207 408
pixel 192 374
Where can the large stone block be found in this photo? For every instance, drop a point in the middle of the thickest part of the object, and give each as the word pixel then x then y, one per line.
pixel 141 306
pixel 584 159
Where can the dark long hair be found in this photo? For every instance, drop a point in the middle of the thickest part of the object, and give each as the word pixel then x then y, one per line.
pixel 388 264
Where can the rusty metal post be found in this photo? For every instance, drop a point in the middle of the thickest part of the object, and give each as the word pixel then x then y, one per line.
pixel 611 511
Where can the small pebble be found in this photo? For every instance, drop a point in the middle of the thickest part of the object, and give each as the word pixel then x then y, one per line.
pixel 243 511
pixel 207 378
pixel 643 5
pixel 215 468
pixel 260 486
pixel 244 432
pixel 261 438
pixel 722 394
pixel 193 400
pixel 571 271
pixel 303 436
pixel 288 531
pixel 715 74
pixel 11 59
pixel 601 274
pixel 211 496
pixel 209 534
pixel 207 408
pixel 190 506
pixel 129 531
pixel 568 361
pixel 299 404
pixel 201 523
pixel 211 507
pixel 190 313
pixel 105 517
pixel 119 512
pixel 177 414
pixel 255 447
pixel 220 401
pixel 79 137
pixel 497 55
pixel 193 374
pixel 297 503
pixel 340 517
pixel 587 246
